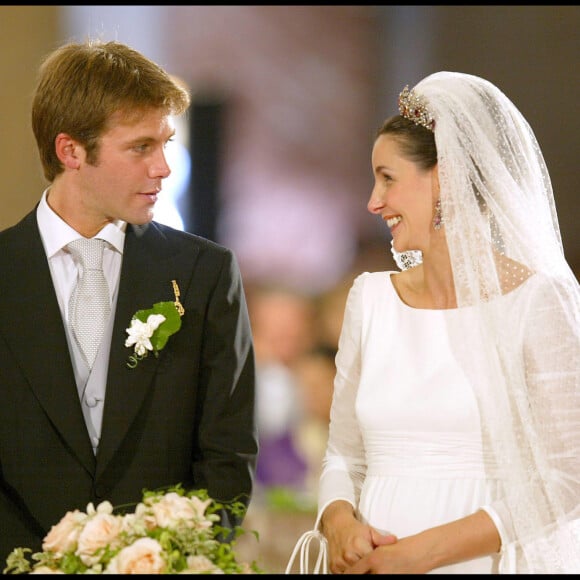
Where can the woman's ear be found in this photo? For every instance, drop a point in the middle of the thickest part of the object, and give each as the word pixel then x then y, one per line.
pixel 68 151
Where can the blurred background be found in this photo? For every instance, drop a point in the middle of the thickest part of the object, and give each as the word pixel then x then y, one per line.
pixel 273 160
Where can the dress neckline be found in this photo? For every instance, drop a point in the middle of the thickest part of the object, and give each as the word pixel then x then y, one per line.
pixel 403 304
pixel 392 288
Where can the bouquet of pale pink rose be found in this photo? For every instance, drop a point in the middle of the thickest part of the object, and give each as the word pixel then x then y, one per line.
pixel 169 532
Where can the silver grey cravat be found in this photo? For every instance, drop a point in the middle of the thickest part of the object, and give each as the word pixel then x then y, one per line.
pixel 90 303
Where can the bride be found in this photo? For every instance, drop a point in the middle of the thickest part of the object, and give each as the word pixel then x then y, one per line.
pixel 454 440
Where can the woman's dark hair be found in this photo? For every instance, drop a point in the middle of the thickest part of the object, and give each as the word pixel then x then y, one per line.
pixel 416 142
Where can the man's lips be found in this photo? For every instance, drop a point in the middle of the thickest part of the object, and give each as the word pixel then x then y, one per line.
pixel 152 195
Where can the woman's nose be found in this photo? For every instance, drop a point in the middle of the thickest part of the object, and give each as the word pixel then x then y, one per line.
pixel 375 203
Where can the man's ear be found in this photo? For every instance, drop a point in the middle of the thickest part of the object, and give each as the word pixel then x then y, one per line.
pixel 68 151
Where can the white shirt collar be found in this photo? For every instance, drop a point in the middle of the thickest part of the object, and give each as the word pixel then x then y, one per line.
pixel 56 233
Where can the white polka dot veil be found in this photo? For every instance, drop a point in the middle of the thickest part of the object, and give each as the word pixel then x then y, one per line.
pixel 502 231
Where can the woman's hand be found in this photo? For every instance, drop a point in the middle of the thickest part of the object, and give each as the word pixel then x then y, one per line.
pixel 402 557
pixel 470 537
pixel 349 539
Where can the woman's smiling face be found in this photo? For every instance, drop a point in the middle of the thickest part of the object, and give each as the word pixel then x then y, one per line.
pixel 404 195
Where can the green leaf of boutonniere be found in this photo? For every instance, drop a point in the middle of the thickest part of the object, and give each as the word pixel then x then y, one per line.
pixel 151 328
pixel 169 326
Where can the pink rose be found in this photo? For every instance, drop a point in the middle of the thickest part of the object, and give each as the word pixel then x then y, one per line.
pixel 100 531
pixel 133 523
pixel 197 564
pixel 63 536
pixel 141 557
pixel 45 570
pixel 173 508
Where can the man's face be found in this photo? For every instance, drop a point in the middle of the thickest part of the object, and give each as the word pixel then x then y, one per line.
pixel 124 181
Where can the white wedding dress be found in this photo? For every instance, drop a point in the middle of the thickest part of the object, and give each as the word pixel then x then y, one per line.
pixel 405 445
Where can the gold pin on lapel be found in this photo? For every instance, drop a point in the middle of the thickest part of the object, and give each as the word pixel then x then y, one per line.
pixel 177 293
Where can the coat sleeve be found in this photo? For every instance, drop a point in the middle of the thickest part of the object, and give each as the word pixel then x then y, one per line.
pixel 18 529
pixel 228 443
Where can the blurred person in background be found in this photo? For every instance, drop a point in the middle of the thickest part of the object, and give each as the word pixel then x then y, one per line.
pixel 282 328
pixel 454 442
pixel 315 372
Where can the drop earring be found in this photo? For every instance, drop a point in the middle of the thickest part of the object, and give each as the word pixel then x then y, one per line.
pixel 438 217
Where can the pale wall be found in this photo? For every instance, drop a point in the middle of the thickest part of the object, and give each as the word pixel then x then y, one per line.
pixel 27 33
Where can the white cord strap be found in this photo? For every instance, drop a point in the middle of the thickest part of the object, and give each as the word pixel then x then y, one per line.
pixel 303 546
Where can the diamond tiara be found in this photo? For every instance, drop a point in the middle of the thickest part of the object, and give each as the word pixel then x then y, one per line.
pixel 414 108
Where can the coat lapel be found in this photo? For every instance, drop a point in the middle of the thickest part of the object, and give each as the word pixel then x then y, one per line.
pixel 36 315
pixel 150 262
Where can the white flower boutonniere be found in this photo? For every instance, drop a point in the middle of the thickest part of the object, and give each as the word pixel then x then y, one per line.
pixel 151 328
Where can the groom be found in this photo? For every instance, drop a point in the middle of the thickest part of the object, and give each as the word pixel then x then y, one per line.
pixel 74 431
